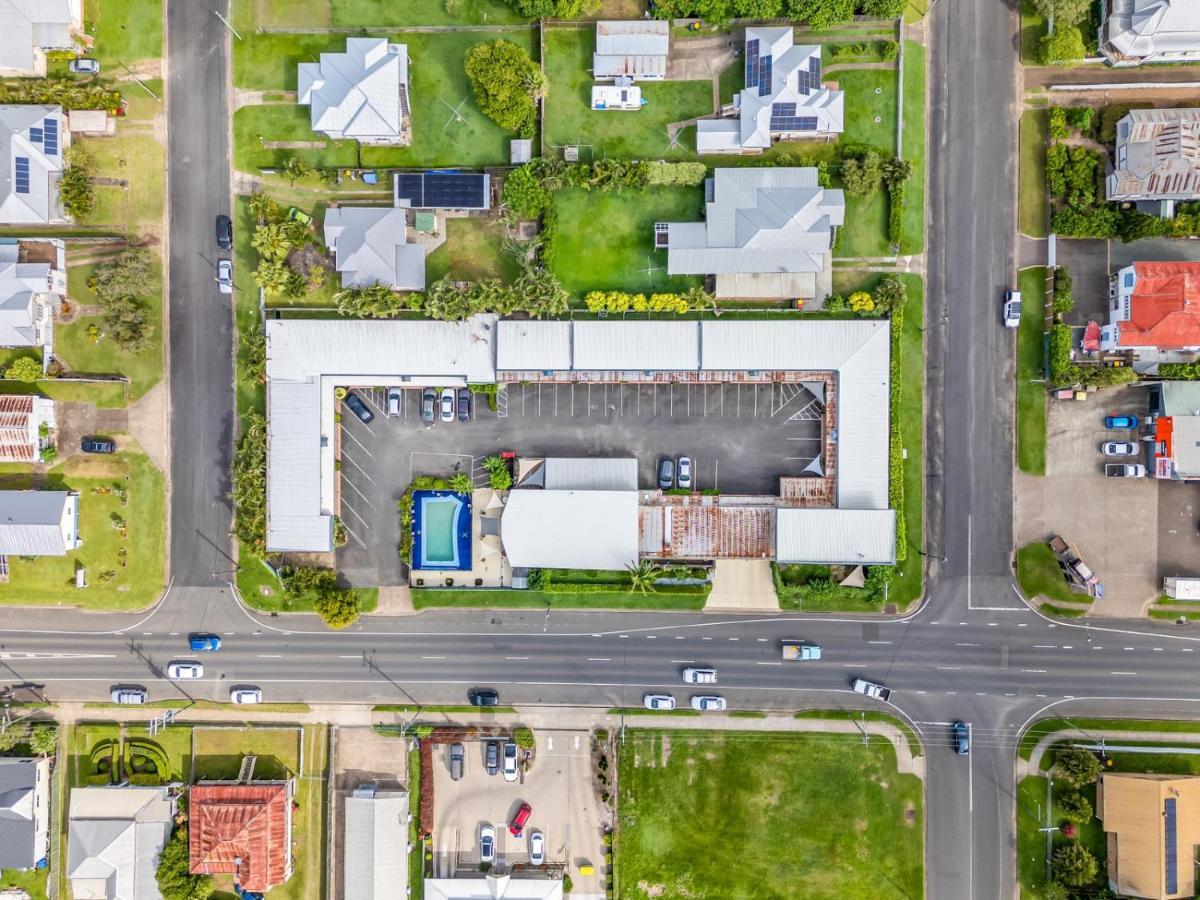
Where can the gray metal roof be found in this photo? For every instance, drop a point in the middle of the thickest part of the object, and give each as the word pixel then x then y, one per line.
pixel 1146 28
pixel 114 837
pixel 370 246
pixel 1181 398
pixel 356 94
pixel 295 520
pixel 25 24
pixel 375 864
pixel 39 203
pixel 835 536
pixel 1157 156
pixel 590 473
pixel 533 344
pixel 18 815
pixel 636 345
pixel 37 523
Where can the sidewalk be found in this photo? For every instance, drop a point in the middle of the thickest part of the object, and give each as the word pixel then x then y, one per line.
pixel 1034 764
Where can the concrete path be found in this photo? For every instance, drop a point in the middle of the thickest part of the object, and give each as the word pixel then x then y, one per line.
pixel 394 600
pixel 148 423
pixel 1033 766
pixel 742 585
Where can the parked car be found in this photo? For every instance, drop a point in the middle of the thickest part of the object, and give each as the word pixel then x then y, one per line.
pixel 98 445
pixel 491 757
pixel 84 66
pixel 245 695
pixel 224 232
pixel 1125 470
pixel 355 404
pixel 483 697
pixel 128 696
pixel 537 848
pixel 464 404
pixel 1012 309
pixel 393 401
pixel 458 756
pixel 447 404
pixel 658 701
pixel 666 473
pixel 510 761
pixel 699 676
pixel 962 739
pixel 298 215
pixel 517 825
pixel 203 642
pixel 870 689
pixel 1119 448
pixel 487 843
pixel 683 472
pixel 1121 423
pixel 711 703
pixel 428 404
pixel 183 670
pixel 225 276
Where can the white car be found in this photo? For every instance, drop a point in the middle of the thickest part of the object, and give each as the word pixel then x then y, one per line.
pixel 510 761
pixel 699 676
pixel 447 404
pixel 183 670
pixel 128 696
pixel 1012 309
pixel 658 701
pixel 711 703
pixel 393 401
pixel 487 843
pixel 225 276
pixel 537 848
pixel 1119 448
pixel 245 695
pixel 683 472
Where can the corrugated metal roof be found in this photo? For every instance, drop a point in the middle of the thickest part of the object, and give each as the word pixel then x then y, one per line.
pixel 590 473
pixel 633 37
pixel 707 531
pixel 356 94
pixel 375 863
pixel 525 344
pixel 37 523
pixel 493 887
pixel 370 247
pixel 18 430
pixel 295 520
pixel 1181 398
pixel 636 345
pixel 850 536
pixel 243 830
pixel 571 529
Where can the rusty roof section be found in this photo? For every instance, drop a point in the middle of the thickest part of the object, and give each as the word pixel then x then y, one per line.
pixel 244 830
pixel 15 412
pixel 1164 311
pixel 694 527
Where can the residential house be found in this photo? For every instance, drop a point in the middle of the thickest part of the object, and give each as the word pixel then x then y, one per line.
pixel 30 28
pixel 243 830
pixel 783 98
pixel 767 232
pixel 1153 828
pixel 32 141
pixel 370 247
pixel 114 836
pixel 24 809
pixel 1175 411
pixel 636 49
pixel 375 855
pixel 39 523
pixel 1150 31
pixel 360 95
pixel 1154 311
pixel 1157 161
pixel 21 421
pixel 493 887
pixel 31 292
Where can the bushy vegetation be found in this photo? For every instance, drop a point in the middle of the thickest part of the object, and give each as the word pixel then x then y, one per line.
pixel 337 606
pixel 1063 372
pixel 118 286
pixel 291 263
pixel 175 880
pixel 817 13
pixel 620 302
pixel 250 484
pixel 67 93
pixel 1063 301
pixel 1077 767
pixel 507 84
pixel 75 190
pixel 1062 46
pixel 23 368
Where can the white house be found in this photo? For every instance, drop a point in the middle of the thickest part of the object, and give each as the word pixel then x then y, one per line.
pixel 370 246
pixel 32 141
pixel 39 523
pixel 360 95
pixel 114 837
pixel 31 293
pixel 30 28
pixel 1151 31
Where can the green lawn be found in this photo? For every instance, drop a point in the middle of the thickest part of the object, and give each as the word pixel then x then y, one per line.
pixel 864 232
pixel 1043 727
pixel 175 744
pixel 137 206
pixel 605 241
pixel 125 31
pixel 908 583
pixel 32 881
pixel 642 134
pixel 430 598
pixel 472 252
pixel 311 827
pixel 1034 209
pixel 1031 842
pixel 871 93
pixel 1039 575
pixel 107 394
pixel 420 12
pixel 1031 388
pixel 913 145
pixel 766 815
pixel 50 580
pixel 1033 27
pixel 73 344
pixel 439 86
pixel 219 751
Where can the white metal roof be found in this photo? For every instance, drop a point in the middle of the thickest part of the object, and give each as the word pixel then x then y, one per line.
pixel 356 94
pixel 590 473
pixel 25 24
pixel 38 202
pixel 1142 28
pixel 533 345
pixel 633 37
pixel 370 246
pixel 493 887
pixel 38 523
pixel 851 536
pixel 295 519
pixel 114 838
pixel 375 865
pixel 570 529
pixel 1182 588
pixel 634 345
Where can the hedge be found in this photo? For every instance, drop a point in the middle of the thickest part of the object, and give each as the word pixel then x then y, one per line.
pixel 1060 352
pixel 895 444
pixel 895 213
pixel 576 587
pixel 1180 371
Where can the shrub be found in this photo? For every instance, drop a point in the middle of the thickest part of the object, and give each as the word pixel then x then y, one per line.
pixel 507 85
pixel 524 194
pixel 1076 767
pixel 338 608
pixel 378 301
pixel 1076 807
pixel 1060 352
pixel 1180 371
pixel 250 484
pixel 1081 118
pixel 1058 123
pixel 895 214
pixel 1063 302
pixel 862 171
pixel 523 737
pixel 75 190
pixel 175 880
pixel 1074 865
pixel 1061 47
pixel 24 368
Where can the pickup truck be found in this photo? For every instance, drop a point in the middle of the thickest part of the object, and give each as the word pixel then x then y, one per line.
pixel 804 652
pixel 1125 470
pixel 871 689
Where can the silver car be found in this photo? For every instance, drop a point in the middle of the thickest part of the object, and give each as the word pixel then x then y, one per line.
pixel 708 704
pixel 448 404
pixel 537 848
pixel 1119 448
pixel 658 701
pixel 245 695
pixel 510 761
pixel 487 843
pixel 393 401
pixel 683 472
pixel 129 696
pixel 182 670
pixel 225 276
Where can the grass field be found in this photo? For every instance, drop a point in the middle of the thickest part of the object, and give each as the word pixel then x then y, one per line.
pixel 1032 843
pixel 766 815
pixel 125 31
pixel 136 207
pixel 1031 387
pixel 369 14
pixel 606 240
pixel 50 580
pixel 219 751
pixel 913 145
pixel 641 134
pixel 1033 27
pixel 1034 208
pixel 1038 575
pixel 908 583
pixel 107 394
pixel 1044 727
pixel 472 252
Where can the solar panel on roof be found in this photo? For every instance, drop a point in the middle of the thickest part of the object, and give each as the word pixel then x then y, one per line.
pixel 443 190
pixel 1172 846
pixel 752 63
pixel 22 179
pixel 50 136
pixel 764 76
pixel 35 134
pixel 793 123
pixel 779 110
pixel 814 65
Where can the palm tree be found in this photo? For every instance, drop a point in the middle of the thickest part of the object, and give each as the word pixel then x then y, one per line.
pixel 642 576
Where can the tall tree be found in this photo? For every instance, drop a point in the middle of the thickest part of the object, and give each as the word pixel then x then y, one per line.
pixel 1064 12
pixel 507 84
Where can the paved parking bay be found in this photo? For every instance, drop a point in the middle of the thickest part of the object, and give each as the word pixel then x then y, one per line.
pixel 741 437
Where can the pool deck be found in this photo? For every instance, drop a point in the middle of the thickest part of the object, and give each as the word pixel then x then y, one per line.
pixel 488 563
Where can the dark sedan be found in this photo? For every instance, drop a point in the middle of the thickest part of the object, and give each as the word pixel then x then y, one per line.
pixel 98 445
pixel 356 405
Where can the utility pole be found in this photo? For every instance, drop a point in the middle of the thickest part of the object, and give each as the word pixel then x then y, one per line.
pixel 233 30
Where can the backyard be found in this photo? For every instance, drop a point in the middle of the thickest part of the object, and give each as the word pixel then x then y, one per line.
pixel 219 752
pixel 121 521
pixel 766 814
pixel 125 31
pixel 1031 379
pixel 370 13
pixel 473 251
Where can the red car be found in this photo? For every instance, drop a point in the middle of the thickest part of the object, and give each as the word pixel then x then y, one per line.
pixel 517 825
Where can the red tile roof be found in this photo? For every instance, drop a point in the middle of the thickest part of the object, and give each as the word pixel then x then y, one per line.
pixel 14 428
pixel 1164 310
pixel 241 829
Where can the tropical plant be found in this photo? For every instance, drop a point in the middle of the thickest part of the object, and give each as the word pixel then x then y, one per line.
pixel 271 242
pixel 23 368
pixel 75 190
pixel 250 484
pixel 523 193
pixel 273 277
pixel 643 575
pixel 507 84
pixel 263 207
pixel 461 483
pixel 377 301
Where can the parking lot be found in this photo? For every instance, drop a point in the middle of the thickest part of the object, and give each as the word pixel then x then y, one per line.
pixel 741 438
pixel 558 787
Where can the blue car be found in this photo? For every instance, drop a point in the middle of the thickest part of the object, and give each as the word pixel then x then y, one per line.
pixel 962 739
pixel 204 642
pixel 1120 422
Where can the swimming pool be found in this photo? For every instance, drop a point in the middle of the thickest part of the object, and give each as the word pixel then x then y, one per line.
pixel 441 530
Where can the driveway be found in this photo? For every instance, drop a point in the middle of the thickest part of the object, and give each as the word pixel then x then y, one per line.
pixel 741 437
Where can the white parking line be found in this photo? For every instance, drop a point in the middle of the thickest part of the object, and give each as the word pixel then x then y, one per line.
pixel 346 432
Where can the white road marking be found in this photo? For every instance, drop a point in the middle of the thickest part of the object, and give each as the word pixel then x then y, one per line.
pixel 599 659
pixel 270 656
pixel 950 668
pixel 966 645
pixel 433 657
pixel 768 664
pixel 1034 671
pixel 517 657
pixel 683 660
pixel 1122 673
pixel 878 642
pixel 1054 647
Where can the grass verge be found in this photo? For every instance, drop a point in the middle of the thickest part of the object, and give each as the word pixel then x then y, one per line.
pixel 642 711
pixel 401 708
pixel 1043 727
pixel 1039 575
pixel 1031 386
pixel 853 715
pixel 433 598
pixel 1034 211
pixel 912 143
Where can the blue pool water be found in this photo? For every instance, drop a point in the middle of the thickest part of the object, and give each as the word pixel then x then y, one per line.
pixel 441 530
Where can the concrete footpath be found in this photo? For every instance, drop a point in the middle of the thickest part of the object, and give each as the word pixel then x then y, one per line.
pixel 1034 765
